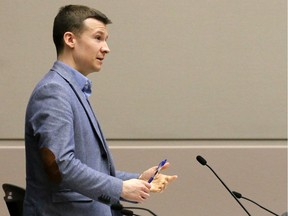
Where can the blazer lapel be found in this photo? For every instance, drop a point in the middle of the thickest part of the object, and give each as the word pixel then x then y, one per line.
pixel 85 103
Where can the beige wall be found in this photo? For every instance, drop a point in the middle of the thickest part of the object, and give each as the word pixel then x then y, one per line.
pixel 177 69
pixel 183 78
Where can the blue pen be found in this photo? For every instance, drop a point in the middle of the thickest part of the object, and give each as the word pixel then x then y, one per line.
pixel 161 164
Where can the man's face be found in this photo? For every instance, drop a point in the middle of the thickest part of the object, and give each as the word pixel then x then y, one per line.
pixel 91 47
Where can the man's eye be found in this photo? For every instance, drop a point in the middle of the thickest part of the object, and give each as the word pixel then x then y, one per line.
pixel 98 37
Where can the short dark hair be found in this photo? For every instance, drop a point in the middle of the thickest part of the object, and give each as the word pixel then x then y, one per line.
pixel 70 18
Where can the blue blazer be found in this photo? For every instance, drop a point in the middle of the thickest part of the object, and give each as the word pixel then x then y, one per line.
pixel 61 128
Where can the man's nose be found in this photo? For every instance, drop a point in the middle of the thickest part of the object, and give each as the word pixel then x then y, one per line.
pixel 105 48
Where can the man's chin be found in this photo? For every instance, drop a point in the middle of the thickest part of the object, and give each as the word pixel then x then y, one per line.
pixel 95 70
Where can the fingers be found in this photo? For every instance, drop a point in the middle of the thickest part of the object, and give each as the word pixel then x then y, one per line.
pixel 144 192
pixel 144 195
pixel 135 190
pixel 171 178
pixel 161 182
pixel 160 187
pixel 166 165
pixel 148 173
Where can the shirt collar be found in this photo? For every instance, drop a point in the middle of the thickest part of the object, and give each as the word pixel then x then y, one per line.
pixel 84 83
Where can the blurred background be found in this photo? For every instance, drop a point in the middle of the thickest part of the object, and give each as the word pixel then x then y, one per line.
pixel 184 78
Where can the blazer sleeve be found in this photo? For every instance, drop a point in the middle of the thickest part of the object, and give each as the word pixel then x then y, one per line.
pixel 126 175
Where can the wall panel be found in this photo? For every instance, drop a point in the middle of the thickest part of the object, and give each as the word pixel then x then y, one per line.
pixel 257 171
pixel 178 69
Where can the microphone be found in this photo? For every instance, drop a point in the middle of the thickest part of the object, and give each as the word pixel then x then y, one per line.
pixel 119 207
pixel 145 209
pixel 239 196
pixel 202 161
pixel 128 212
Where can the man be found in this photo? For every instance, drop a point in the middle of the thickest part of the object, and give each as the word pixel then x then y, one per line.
pixel 69 167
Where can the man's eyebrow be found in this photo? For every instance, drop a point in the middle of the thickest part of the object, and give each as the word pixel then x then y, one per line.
pixel 103 33
pixel 99 31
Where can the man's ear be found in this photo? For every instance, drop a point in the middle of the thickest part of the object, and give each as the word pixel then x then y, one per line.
pixel 69 39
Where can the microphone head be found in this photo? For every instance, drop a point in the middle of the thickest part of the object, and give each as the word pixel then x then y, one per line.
pixel 237 195
pixel 201 160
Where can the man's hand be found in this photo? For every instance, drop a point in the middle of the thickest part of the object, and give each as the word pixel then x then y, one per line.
pixel 135 190
pixel 160 181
